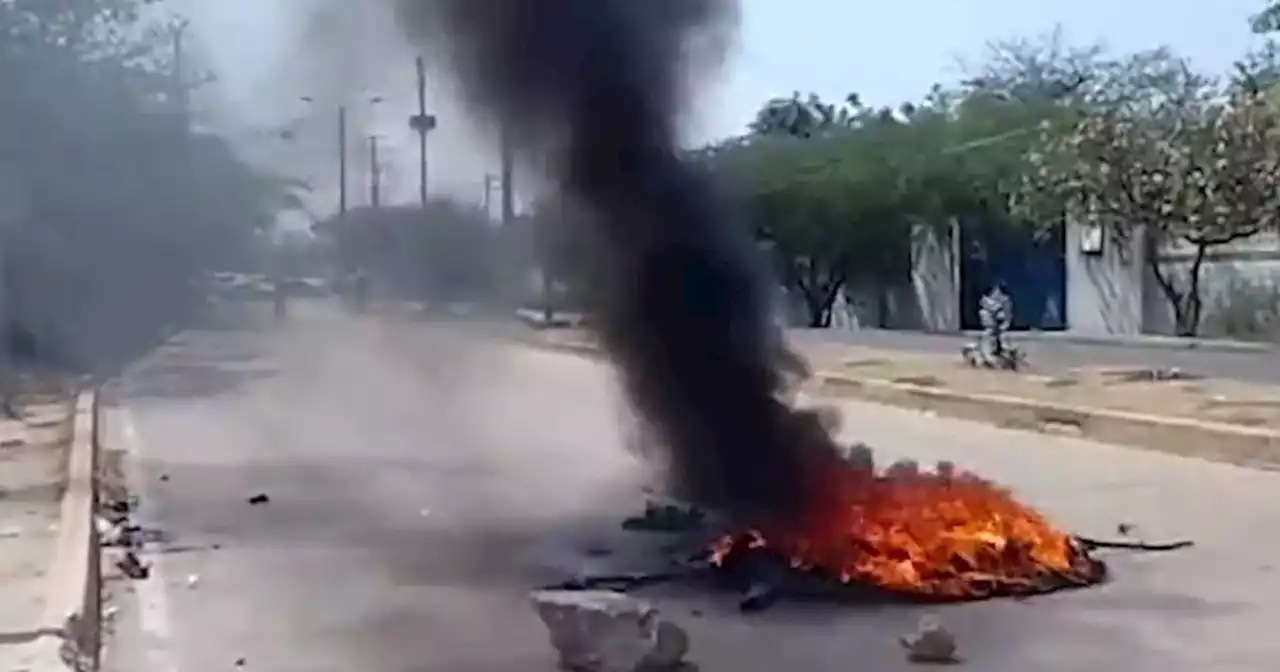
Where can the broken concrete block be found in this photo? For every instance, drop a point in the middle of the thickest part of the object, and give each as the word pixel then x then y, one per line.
pixel 604 631
pixel 930 643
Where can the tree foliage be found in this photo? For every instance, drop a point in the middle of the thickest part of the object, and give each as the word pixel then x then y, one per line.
pixel 112 203
pixel 1140 144
pixel 1268 20
pixel 836 192
pixel 1176 161
pixel 812 208
pixel 448 252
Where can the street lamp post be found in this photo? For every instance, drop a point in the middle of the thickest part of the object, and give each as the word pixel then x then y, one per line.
pixel 422 123
pixel 342 149
pixel 342 160
pixel 181 89
pixel 375 174
pixel 490 181
pixel 507 170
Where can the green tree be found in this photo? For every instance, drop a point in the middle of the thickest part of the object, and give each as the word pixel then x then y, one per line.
pixel 1176 163
pixel 447 252
pixel 804 117
pixel 825 200
pixel 114 206
pixel 1267 20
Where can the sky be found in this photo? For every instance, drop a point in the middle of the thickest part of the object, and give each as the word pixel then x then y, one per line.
pixel 268 54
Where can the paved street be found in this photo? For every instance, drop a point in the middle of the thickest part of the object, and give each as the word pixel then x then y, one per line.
pixel 1051 355
pixel 422 478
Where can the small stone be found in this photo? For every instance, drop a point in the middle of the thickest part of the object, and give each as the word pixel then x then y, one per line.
pixel 260 498
pixel 193 580
pixel 604 631
pixel 132 567
pixel 241 662
pixel 164 478
pixel 930 643
pixel 1124 529
pixel 758 597
pixel 120 507
pixel 110 534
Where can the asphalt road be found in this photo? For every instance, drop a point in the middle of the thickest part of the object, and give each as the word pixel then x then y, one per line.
pixel 1053 355
pixel 422 478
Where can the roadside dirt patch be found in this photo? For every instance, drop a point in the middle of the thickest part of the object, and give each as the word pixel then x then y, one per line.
pixel 1133 389
pixel 33 467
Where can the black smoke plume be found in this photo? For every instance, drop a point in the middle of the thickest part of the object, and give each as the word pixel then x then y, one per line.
pixel 683 305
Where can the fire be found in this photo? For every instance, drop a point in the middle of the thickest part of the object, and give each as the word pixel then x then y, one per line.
pixel 942 535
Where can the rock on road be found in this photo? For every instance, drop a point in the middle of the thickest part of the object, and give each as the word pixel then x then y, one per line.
pixel 422 478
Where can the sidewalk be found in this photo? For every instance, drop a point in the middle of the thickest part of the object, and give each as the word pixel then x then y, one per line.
pixel 1134 389
pixel 33 455
pixel 1125 388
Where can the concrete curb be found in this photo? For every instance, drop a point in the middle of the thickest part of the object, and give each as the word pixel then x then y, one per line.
pixel 1245 446
pixel 583 349
pixel 1143 341
pixel 1253 447
pixel 1136 341
pixel 70 622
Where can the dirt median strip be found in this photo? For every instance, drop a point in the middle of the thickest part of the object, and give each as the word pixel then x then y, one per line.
pixel 68 626
pixel 1251 445
pixel 1246 446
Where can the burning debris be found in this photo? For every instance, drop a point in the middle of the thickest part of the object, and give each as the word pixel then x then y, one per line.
pixel 943 535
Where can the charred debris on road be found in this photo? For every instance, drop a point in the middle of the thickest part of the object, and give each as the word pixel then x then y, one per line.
pixel 898 533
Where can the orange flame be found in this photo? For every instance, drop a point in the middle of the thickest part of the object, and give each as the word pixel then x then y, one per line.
pixel 943 534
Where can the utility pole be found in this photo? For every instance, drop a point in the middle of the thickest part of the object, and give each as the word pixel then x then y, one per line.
pixel 490 180
pixel 422 123
pixel 181 91
pixel 342 160
pixel 375 174
pixel 507 170
pixel 508 153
